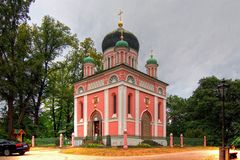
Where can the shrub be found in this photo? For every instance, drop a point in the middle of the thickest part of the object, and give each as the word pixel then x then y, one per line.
pixel 144 145
pixel 93 145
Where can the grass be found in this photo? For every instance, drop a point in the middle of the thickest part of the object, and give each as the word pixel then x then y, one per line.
pixel 130 151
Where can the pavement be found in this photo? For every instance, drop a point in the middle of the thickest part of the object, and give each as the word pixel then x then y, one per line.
pixel 56 155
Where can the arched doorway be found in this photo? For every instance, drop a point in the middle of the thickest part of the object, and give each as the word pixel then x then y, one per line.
pixel 95 125
pixel 146 128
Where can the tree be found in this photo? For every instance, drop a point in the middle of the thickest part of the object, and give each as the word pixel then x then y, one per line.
pixel 176 115
pixel 49 41
pixel 12 15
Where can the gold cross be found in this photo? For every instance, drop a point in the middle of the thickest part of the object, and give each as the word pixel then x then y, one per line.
pixel 120 14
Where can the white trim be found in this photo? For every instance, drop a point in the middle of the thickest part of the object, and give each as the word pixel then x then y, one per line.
pixel 85 115
pixel 75 117
pixel 137 112
pixel 164 118
pixel 119 108
pixel 155 116
pixel 118 84
pixel 124 108
pixel 106 126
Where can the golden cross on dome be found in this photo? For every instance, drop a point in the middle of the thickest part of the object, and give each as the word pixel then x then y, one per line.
pixel 120 14
pixel 120 22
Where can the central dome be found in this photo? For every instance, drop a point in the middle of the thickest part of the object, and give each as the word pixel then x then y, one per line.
pixel 113 37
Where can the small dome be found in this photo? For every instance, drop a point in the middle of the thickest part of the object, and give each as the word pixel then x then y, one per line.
pixel 88 59
pixel 121 43
pixel 152 60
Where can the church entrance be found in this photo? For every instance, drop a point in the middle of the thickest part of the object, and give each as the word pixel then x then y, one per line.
pixel 95 126
pixel 146 128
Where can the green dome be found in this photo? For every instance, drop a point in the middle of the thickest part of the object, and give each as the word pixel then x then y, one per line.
pixel 121 43
pixel 152 60
pixel 88 60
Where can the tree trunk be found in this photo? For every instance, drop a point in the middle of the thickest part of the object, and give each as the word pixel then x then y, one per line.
pixel 10 117
pixel 54 118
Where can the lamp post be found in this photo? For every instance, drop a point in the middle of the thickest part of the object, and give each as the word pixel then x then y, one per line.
pixel 222 89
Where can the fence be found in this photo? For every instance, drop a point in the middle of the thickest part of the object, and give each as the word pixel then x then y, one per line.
pixel 47 142
pixel 187 141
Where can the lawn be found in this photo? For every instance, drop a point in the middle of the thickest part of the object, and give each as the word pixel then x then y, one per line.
pixel 130 151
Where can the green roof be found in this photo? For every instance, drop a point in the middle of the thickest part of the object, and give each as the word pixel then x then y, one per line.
pixel 88 60
pixel 152 60
pixel 121 43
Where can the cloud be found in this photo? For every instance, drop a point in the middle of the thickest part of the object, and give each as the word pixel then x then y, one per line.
pixel 190 39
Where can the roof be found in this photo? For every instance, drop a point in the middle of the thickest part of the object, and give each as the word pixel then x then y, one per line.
pixel 19 131
pixel 88 60
pixel 113 37
pixel 152 60
pixel 119 66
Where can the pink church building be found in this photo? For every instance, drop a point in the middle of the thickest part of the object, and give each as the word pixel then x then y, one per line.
pixel 120 98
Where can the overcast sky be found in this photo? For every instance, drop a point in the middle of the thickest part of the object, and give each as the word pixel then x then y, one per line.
pixel 191 39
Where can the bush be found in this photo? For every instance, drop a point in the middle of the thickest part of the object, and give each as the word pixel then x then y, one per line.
pixel 93 145
pixel 144 145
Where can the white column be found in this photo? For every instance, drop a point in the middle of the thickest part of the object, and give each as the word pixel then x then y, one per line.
pixel 75 117
pixel 85 122
pixel 137 112
pixel 155 116
pixel 120 90
pixel 124 107
pixel 164 118
pixel 122 93
pixel 106 127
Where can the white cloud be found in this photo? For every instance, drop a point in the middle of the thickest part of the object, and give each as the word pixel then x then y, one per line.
pixel 191 39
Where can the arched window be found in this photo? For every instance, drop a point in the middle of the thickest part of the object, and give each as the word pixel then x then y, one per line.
pixel 159 110
pixel 81 110
pixel 132 62
pixel 80 90
pixel 129 60
pixel 160 90
pixel 130 79
pixel 113 79
pixel 109 62
pixel 129 104
pixel 114 104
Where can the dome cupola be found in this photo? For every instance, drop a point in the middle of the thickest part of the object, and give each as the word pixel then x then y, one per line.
pixel 88 59
pixel 152 60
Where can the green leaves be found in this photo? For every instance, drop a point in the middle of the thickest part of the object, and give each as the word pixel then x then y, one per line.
pixel 199 115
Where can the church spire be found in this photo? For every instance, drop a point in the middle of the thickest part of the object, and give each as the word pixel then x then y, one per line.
pixel 120 22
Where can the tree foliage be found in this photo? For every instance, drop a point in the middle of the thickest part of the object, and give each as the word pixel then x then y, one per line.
pixel 201 113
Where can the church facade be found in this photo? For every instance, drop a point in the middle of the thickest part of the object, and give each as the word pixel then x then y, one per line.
pixel 120 98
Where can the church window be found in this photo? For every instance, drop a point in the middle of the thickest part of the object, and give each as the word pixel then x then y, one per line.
pixel 130 79
pixel 129 60
pixel 81 110
pixel 159 110
pixel 109 62
pixel 80 90
pixel 129 104
pixel 132 62
pixel 114 104
pixel 160 91
pixel 113 79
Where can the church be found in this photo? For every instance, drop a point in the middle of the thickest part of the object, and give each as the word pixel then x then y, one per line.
pixel 120 98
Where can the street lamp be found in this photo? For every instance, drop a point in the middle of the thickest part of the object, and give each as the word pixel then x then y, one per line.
pixel 222 89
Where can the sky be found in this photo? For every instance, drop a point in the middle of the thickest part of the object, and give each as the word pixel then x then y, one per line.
pixel 191 39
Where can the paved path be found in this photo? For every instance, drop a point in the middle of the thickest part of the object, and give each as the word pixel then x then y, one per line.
pixel 55 155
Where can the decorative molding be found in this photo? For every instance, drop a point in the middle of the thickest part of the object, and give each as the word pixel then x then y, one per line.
pixel 95 84
pixel 118 84
pixel 164 118
pixel 146 85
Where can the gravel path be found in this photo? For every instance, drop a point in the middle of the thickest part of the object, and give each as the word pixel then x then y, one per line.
pixel 55 155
